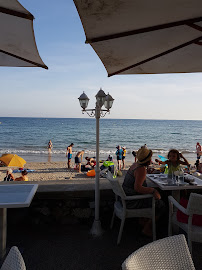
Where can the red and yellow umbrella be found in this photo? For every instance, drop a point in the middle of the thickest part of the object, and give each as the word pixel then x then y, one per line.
pixel 12 160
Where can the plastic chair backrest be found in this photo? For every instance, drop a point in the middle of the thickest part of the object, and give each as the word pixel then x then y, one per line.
pixel 167 253
pixel 194 204
pixel 14 260
pixel 116 187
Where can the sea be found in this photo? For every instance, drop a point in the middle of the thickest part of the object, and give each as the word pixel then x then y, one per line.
pixel 28 137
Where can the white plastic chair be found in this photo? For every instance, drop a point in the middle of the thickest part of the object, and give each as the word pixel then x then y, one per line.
pixel 122 212
pixel 194 233
pixel 14 260
pixel 165 254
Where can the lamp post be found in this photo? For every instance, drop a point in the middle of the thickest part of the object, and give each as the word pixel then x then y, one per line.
pixel 97 112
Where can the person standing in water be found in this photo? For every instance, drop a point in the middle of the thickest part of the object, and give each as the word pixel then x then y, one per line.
pixel 198 150
pixel 69 155
pixel 119 154
pixel 123 156
pixel 50 146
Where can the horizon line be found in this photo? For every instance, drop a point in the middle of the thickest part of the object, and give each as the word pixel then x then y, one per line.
pixel 152 119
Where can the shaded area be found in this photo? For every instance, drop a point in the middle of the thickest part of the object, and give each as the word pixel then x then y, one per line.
pixel 70 246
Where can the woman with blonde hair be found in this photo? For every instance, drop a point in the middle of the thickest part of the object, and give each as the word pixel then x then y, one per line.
pixel 9 175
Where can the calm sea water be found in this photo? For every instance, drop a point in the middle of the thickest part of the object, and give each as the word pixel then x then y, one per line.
pixel 28 137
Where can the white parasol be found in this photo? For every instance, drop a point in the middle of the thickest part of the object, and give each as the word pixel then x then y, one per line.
pixel 144 37
pixel 17 42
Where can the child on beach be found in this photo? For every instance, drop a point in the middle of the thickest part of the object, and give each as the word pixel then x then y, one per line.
pixel 174 161
pixel 24 176
pixel 119 154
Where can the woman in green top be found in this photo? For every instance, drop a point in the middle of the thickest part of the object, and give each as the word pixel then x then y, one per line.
pixel 174 161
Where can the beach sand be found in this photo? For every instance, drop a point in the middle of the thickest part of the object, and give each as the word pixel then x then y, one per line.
pixel 49 171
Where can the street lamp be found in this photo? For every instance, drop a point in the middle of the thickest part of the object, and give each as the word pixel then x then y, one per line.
pixel 107 101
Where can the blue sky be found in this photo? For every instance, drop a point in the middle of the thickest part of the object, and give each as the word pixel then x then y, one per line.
pixel 74 67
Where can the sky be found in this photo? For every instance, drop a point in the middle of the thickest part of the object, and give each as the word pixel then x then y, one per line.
pixel 74 67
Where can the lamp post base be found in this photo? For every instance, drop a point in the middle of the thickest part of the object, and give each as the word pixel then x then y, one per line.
pixel 96 229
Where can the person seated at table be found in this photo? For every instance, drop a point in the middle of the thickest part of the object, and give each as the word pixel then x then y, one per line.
pixel 135 184
pixel 90 162
pixel 9 175
pixel 174 161
pixel 24 176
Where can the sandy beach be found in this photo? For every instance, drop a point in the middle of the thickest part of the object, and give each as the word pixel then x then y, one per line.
pixel 52 171
pixel 48 171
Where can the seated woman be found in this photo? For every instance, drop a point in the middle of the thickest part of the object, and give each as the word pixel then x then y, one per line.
pixel 24 176
pixel 9 175
pixel 91 162
pixel 135 184
pixel 174 161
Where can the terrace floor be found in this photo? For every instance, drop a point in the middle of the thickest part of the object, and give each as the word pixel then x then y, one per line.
pixel 57 246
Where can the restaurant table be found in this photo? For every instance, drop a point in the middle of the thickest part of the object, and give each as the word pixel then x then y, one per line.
pixel 164 183
pixel 13 196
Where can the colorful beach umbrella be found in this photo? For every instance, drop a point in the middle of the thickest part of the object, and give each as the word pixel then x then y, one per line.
pixel 17 43
pixel 144 37
pixel 12 160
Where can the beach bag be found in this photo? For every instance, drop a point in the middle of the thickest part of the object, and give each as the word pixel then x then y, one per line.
pixel 181 217
pixel 91 173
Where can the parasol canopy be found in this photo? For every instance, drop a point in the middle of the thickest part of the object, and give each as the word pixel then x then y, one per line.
pixel 12 160
pixel 17 42
pixel 144 37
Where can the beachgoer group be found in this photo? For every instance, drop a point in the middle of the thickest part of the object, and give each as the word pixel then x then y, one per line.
pixel 10 177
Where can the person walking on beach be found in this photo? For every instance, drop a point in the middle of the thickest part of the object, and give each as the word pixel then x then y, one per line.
pixel 198 150
pixel 78 160
pixel 69 155
pixel 123 156
pixel 50 146
pixel 119 154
